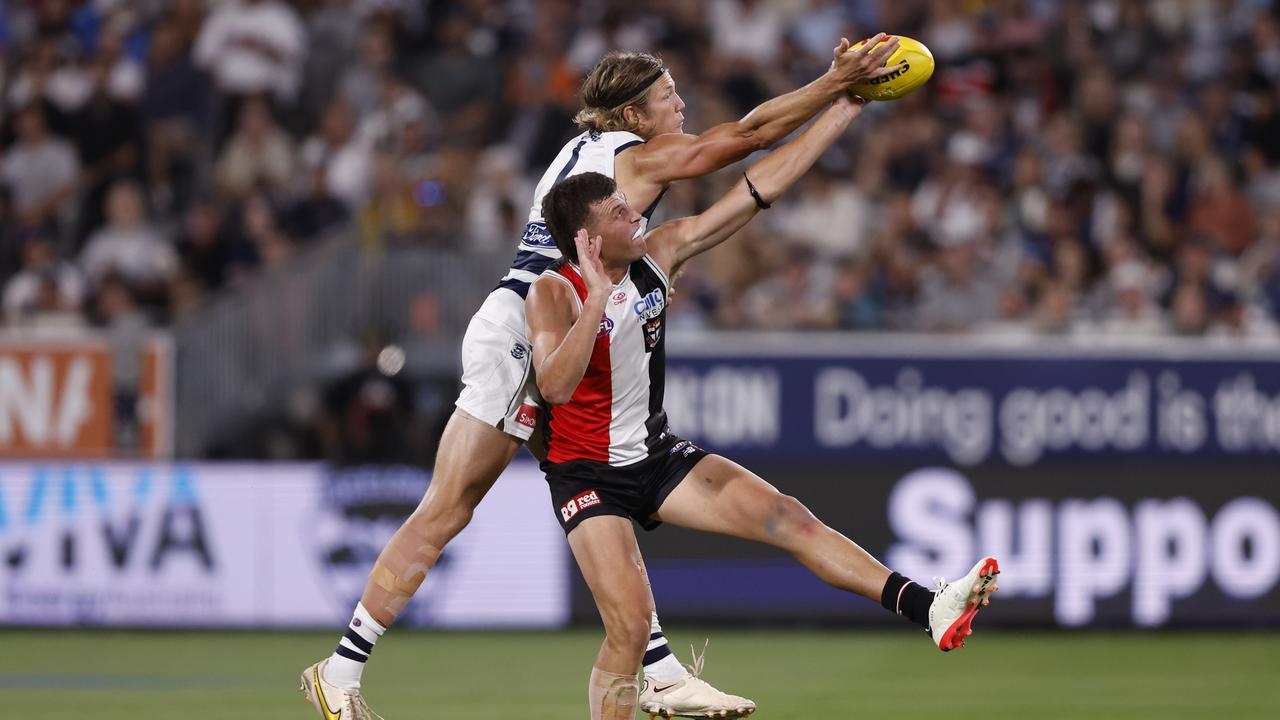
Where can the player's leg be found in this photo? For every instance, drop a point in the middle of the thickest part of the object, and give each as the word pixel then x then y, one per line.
pixel 471 457
pixel 605 549
pixel 668 689
pixel 721 496
pixel 496 413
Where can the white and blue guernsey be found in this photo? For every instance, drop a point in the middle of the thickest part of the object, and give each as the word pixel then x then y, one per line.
pixel 589 152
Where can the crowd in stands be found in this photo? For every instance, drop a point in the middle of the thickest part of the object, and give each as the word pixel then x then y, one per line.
pixel 1105 168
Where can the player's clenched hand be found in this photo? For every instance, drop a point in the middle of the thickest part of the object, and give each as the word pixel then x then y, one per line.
pixel 593 275
pixel 855 66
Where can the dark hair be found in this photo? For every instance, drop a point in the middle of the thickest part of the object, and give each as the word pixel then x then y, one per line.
pixel 567 205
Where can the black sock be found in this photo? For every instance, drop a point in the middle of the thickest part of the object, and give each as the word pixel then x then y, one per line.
pixel 906 597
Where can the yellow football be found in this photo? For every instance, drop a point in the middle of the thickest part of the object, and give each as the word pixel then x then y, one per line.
pixel 916 69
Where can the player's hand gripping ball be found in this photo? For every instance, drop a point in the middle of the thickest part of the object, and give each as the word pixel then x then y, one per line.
pixel 917 67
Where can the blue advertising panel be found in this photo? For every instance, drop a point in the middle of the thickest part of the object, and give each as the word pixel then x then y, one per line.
pixel 968 408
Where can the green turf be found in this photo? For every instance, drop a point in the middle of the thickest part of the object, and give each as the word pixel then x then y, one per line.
pixel 811 674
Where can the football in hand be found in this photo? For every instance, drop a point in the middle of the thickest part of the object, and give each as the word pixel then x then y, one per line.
pixel 917 67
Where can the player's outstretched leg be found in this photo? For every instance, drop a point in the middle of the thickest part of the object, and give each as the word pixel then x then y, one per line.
pixel 471 457
pixel 333 703
pixel 720 496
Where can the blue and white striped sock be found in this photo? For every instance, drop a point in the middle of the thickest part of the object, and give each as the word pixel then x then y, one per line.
pixel 347 662
pixel 659 663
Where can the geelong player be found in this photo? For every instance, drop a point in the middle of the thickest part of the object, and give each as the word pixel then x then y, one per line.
pixel 596 321
pixel 634 133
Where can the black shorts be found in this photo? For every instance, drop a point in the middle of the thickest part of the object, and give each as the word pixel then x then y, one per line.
pixel 586 488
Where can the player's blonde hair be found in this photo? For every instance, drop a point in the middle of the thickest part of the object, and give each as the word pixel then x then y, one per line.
pixel 619 80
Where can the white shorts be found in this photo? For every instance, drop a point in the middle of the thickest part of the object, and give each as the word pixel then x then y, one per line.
pixel 498 387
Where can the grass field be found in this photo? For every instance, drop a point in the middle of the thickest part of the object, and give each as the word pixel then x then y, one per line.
pixel 540 676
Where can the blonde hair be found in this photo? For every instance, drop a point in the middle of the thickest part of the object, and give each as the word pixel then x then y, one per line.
pixel 619 80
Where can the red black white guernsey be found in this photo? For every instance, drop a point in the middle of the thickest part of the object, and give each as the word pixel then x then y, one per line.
pixel 615 415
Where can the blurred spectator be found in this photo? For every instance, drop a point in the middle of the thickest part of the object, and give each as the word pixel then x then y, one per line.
pixel 256 239
pixel 367 412
pixel 747 31
pixel 50 78
pixel 107 134
pixel 252 47
pixel 362 82
pixel 317 212
pixel 394 215
pixel 202 247
pixel 1190 310
pixel 955 293
pixel 829 214
pixel 621 27
pixel 258 155
pixel 129 249
pixel 544 84
pixel 1133 312
pixel 339 155
pixel 45 286
pixel 462 83
pixel 856 305
pixel 174 111
pixel 1219 210
pixel 499 202
pixel 123 76
pixel 797 297
pixel 41 171
pixel 126 328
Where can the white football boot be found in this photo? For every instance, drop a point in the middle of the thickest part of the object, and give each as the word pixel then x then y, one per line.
pixel 955 604
pixel 691 697
pixel 333 702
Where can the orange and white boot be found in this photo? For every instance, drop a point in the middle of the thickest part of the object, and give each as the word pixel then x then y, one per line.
pixel 955 604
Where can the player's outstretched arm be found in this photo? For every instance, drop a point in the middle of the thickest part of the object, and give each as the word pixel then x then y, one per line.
pixel 672 243
pixel 563 336
pixel 677 156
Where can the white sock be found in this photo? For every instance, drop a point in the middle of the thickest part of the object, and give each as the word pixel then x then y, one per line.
pixel 659 663
pixel 347 662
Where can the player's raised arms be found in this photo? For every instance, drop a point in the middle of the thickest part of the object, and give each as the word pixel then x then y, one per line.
pixel 673 243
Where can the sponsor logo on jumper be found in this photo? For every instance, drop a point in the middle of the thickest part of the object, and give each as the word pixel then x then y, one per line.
pixel 619 296
pixel 518 351
pixel 537 235
pixel 650 306
pixel 606 327
pixel 580 502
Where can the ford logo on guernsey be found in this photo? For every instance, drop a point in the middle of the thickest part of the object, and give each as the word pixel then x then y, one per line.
pixel 537 235
pixel 650 306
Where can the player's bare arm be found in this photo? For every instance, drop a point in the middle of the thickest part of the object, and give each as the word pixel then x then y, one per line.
pixel 642 171
pixel 672 156
pixel 562 337
pixel 672 243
